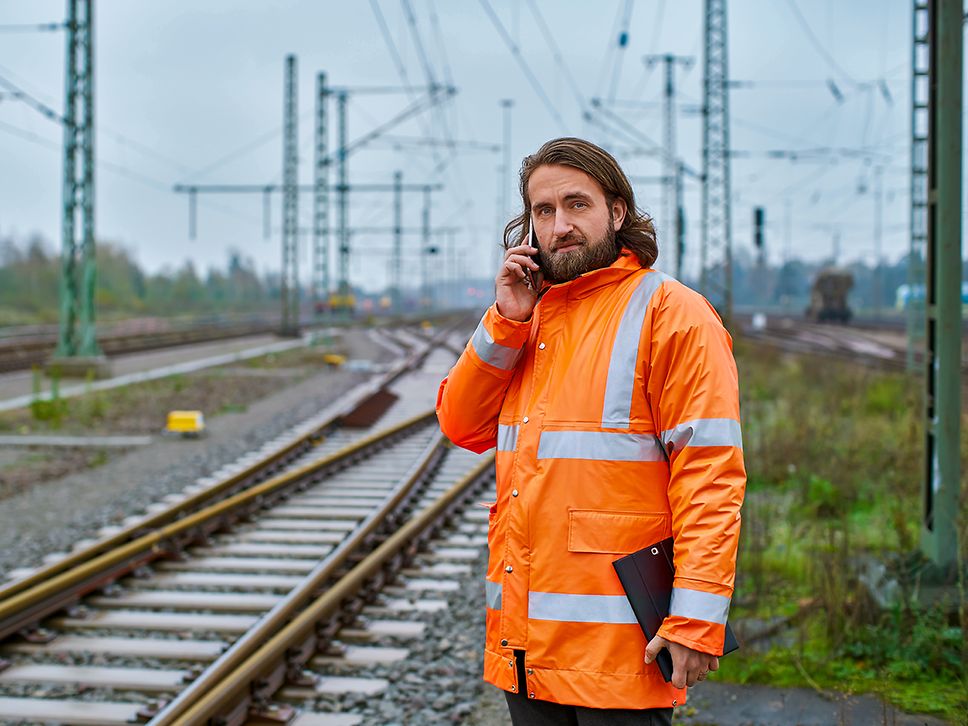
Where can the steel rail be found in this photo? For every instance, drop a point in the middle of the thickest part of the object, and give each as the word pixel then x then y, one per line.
pixel 29 606
pixel 311 585
pixel 219 697
pixel 189 504
pixel 251 472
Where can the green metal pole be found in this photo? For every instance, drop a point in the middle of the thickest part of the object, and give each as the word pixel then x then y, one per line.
pixel 940 530
pixel 66 342
pixel 88 346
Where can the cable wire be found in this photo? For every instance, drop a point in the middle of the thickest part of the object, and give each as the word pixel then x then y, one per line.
pixel 818 46
pixel 556 53
pixel 31 27
pixel 516 52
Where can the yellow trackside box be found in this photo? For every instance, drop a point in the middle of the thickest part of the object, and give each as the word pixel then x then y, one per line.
pixel 188 423
pixel 334 360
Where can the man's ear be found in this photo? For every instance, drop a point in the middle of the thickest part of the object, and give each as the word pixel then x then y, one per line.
pixel 619 210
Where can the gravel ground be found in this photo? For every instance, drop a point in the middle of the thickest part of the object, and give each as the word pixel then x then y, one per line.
pixel 440 682
pixel 52 517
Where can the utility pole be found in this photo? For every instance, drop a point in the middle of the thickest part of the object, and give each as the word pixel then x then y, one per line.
pixel 290 204
pixel 878 286
pixel 396 266
pixel 426 251
pixel 716 256
pixel 320 281
pixel 920 98
pixel 503 196
pixel 942 365
pixel 670 164
pixel 680 206
pixel 77 349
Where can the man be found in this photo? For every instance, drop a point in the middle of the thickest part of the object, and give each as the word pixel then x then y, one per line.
pixel 610 392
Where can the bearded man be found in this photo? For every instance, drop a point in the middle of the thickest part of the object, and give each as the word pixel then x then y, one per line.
pixel 610 392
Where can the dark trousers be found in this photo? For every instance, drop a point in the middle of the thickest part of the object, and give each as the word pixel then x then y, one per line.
pixel 532 712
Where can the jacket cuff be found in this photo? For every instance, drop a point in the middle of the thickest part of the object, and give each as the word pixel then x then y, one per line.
pixel 699 635
pixel 499 341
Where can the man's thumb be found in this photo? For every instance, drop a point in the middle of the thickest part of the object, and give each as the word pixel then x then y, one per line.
pixel 653 648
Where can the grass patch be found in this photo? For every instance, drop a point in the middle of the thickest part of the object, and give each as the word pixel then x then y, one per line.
pixel 142 408
pixel 834 456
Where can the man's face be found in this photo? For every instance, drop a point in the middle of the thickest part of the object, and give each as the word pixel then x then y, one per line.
pixel 574 222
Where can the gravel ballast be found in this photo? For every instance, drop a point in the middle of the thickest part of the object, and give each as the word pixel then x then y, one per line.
pixel 52 517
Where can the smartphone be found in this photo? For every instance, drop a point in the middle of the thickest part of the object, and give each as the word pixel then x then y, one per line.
pixel 533 242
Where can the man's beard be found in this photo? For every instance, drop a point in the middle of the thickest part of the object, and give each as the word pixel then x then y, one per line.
pixel 562 267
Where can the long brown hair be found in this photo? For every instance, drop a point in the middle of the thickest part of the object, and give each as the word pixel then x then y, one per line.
pixel 637 233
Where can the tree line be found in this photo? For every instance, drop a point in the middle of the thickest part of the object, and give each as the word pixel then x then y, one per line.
pixel 30 281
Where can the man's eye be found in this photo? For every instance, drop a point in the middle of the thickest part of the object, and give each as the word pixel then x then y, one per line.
pixel 580 205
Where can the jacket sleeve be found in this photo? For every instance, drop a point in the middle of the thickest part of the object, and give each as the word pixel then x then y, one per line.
pixel 693 391
pixel 469 400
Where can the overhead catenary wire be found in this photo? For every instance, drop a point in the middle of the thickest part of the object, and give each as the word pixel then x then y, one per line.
pixel 623 41
pixel 818 46
pixel 31 27
pixel 529 74
pixel 556 54
pixel 105 164
pixel 39 106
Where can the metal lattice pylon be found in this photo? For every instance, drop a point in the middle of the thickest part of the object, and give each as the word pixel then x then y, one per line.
pixel 320 280
pixel 290 204
pixel 342 202
pixel 76 336
pixel 716 277
pixel 920 93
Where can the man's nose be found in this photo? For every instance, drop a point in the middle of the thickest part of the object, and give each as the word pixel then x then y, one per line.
pixel 562 224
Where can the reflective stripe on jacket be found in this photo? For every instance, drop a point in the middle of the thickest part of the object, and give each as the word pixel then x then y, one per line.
pixel 615 413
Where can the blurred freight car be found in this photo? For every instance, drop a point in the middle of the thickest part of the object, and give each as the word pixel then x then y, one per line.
pixel 828 296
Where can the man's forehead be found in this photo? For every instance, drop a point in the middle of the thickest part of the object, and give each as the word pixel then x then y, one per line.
pixel 552 179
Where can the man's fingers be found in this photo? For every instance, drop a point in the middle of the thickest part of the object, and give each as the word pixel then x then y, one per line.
pixel 522 260
pixel 526 250
pixel 653 648
pixel 679 677
pixel 714 664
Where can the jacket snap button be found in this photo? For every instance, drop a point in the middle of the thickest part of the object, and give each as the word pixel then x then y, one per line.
pixel 510 664
pixel 675 702
pixel 514 492
pixel 541 346
pixel 509 569
pixel 525 419
pixel 531 695
pixel 504 643
pixel 514 689
pixel 530 671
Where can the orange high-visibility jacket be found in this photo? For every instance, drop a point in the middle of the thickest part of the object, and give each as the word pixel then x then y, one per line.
pixel 615 413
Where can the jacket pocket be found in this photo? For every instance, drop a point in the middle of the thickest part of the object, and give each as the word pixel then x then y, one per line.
pixel 613 532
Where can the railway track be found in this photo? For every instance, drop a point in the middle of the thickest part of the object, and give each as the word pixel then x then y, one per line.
pixel 26 352
pixel 845 343
pixel 230 604
pixel 34 346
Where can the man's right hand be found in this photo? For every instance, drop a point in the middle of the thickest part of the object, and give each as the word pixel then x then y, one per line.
pixel 515 299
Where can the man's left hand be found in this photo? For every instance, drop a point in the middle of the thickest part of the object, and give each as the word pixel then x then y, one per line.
pixel 688 665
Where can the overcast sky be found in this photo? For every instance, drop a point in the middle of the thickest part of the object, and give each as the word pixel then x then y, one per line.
pixel 182 86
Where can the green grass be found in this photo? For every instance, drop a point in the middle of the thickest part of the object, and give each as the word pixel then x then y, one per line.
pixel 834 457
